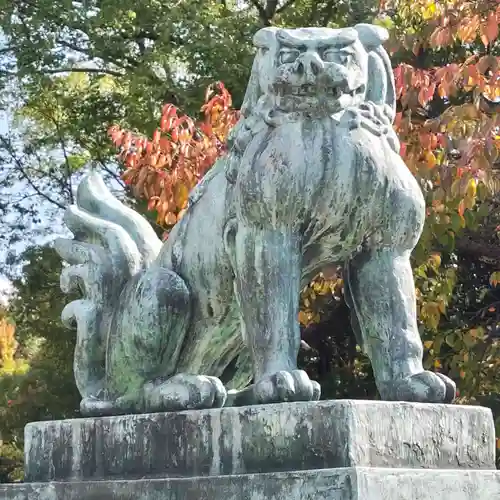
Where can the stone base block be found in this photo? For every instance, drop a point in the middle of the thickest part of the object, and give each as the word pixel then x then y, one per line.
pixel 358 483
pixel 261 439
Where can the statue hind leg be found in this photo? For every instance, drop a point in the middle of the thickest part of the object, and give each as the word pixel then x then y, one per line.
pixel 154 317
pixel 134 316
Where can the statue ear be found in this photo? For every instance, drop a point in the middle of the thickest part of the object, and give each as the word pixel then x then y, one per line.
pixel 371 35
pixel 263 40
pixel 381 88
pixel 253 91
pixel 265 37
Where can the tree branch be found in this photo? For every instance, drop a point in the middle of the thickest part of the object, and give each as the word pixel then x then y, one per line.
pixel 285 6
pixel 68 186
pixel 466 246
pixel 19 167
pixel 132 63
pixel 67 70
pixel 261 11
pixel 270 9
pixel 328 12
pixel 81 70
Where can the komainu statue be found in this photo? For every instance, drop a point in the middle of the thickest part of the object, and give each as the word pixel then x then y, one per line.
pixel 313 178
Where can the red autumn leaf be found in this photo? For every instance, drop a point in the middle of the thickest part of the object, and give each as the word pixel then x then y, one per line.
pixel 435 38
pixel 130 162
pixel 461 208
pixel 165 123
pixel 467 30
pixel 426 93
pixel 175 135
pixel 165 145
pixel 156 136
pixel 489 30
pixel 443 90
pixel 153 201
pixel 169 110
pixel 127 140
pixel 441 37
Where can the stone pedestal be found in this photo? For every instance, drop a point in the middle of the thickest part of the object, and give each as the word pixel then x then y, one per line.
pixel 335 450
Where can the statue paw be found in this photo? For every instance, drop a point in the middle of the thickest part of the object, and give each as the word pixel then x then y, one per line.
pixel 279 387
pixel 424 387
pixel 184 392
pixel 373 118
pixel 94 407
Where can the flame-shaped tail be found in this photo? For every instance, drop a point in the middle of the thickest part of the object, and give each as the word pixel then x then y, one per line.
pixel 111 244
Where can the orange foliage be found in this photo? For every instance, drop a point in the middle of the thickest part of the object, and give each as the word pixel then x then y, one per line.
pixel 449 21
pixel 8 345
pixel 166 167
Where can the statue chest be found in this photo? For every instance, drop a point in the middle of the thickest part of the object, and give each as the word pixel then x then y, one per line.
pixel 285 170
pixel 321 173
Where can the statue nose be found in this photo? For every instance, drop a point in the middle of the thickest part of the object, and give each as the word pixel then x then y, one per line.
pixel 311 63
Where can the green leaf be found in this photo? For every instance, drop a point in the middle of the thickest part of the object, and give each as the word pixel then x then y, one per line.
pixel 483 210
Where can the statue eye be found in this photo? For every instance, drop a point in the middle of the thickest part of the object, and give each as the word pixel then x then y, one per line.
pixel 288 55
pixel 337 56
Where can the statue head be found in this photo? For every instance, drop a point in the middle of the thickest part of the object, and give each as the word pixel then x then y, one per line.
pixel 319 70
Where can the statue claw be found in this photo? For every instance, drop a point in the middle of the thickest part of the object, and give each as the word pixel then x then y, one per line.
pixel 423 387
pixel 279 387
pixel 94 407
pixel 184 392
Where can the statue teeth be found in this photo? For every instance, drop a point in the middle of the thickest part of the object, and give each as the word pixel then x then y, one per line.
pixel 309 91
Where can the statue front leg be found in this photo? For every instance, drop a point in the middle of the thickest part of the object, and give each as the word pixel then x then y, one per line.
pixel 267 285
pixel 382 298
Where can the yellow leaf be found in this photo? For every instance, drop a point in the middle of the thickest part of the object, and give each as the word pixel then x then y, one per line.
pixel 181 193
pixel 428 344
pixel 469 202
pixel 471 189
pixel 469 339
pixel 430 314
pixel 437 364
pixel 303 318
pixel 442 306
pixel 495 278
pixel 435 260
pixel 474 333
pixel 455 187
pixel 429 11
pixel 431 159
